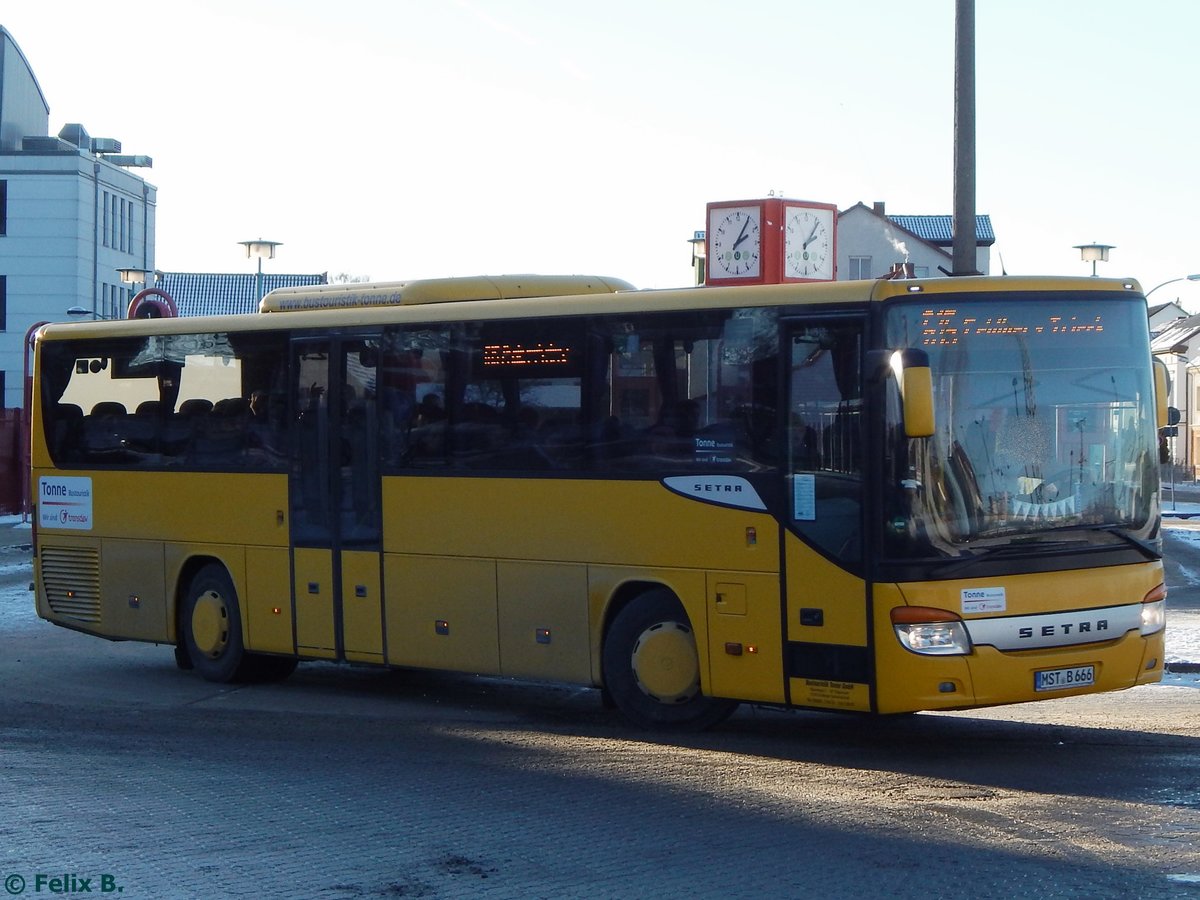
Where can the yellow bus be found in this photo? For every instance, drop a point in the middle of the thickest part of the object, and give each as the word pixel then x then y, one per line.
pixel 872 496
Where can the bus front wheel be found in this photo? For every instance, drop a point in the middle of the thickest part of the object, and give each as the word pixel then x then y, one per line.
pixel 212 626
pixel 652 669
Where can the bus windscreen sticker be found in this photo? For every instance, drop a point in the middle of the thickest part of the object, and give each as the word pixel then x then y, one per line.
pixel 804 497
pixel 984 600
pixel 65 503
pixel 724 490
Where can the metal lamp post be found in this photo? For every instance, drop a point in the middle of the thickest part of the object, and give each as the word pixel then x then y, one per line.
pixel 260 250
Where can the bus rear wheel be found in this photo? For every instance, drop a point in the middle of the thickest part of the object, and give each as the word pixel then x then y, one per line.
pixel 211 634
pixel 212 626
pixel 652 669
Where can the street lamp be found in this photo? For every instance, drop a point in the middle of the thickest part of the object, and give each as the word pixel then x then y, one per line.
pixel 699 255
pixel 1172 281
pixel 1094 253
pixel 135 276
pixel 84 311
pixel 261 250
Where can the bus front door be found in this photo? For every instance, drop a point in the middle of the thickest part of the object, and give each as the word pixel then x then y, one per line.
pixel 335 500
pixel 829 656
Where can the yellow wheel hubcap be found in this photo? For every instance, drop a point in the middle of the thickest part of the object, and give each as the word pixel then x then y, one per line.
pixel 665 663
pixel 210 624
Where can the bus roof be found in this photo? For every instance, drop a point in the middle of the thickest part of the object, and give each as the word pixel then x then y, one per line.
pixel 437 290
pixel 470 299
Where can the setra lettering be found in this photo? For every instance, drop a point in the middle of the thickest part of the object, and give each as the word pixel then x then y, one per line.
pixel 705 488
pixel 1064 629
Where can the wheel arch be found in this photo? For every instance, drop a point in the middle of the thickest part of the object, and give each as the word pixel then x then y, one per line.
pixel 626 593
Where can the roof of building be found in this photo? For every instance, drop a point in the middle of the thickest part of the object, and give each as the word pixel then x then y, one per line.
pixel 7 38
pixel 939 229
pixel 1180 312
pixel 1177 337
pixel 212 293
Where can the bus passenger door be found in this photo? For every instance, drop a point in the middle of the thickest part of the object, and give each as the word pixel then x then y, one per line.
pixel 335 500
pixel 828 653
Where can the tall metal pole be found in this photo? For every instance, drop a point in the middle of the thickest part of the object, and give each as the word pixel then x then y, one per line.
pixel 964 138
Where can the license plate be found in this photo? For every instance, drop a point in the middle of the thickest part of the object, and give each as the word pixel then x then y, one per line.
pixel 1064 679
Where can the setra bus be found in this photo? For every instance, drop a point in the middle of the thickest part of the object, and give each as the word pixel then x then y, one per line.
pixel 872 496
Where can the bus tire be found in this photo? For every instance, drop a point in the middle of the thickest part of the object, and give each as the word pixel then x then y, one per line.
pixel 652 669
pixel 212 626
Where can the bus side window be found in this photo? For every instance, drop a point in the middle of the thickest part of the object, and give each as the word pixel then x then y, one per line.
pixel 412 387
pixel 694 393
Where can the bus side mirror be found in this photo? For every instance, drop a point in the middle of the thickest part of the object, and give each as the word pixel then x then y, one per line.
pixel 915 380
pixel 1162 388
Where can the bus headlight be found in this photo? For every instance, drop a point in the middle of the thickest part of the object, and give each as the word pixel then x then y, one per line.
pixel 1154 617
pixel 931 632
pixel 1154 611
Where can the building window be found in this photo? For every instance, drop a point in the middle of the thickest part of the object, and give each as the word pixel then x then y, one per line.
pixel 3 313
pixel 3 207
pixel 129 223
pixel 105 220
pixel 860 267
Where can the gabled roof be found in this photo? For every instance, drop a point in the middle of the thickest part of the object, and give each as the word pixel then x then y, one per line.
pixel 934 231
pixel 1180 333
pixel 214 294
pixel 1155 310
pixel 938 230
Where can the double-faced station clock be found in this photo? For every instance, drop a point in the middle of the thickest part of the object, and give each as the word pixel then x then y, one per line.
pixel 735 242
pixel 771 241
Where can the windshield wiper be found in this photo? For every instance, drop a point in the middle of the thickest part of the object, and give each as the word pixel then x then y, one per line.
pixel 1025 547
pixel 1147 549
pixel 1033 547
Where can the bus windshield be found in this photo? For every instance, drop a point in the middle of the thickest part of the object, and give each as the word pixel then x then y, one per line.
pixel 1045 426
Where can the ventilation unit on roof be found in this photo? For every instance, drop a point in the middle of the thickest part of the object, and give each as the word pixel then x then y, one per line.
pixel 106 145
pixel 77 135
pixel 141 162
pixel 41 143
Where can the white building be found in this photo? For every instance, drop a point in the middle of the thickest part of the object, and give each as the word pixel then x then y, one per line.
pixel 71 214
pixel 870 243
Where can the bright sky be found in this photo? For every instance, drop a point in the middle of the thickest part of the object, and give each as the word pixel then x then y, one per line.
pixel 413 138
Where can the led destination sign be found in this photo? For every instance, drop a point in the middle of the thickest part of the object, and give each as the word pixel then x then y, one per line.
pixel 946 327
pixel 548 354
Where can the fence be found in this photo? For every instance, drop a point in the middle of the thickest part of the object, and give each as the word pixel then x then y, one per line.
pixel 11 479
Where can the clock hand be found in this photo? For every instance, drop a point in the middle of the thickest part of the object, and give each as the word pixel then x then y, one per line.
pixel 811 236
pixel 741 237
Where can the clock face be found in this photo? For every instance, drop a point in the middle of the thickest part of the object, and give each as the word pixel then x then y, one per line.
pixel 735 242
pixel 808 243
